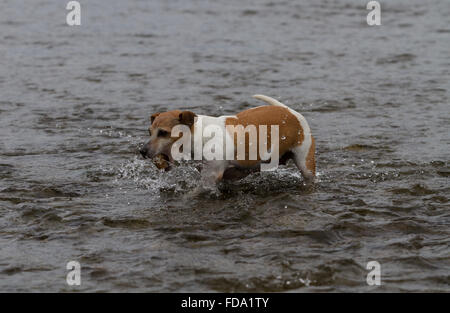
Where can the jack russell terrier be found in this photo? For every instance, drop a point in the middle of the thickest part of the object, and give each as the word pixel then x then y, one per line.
pixel 294 140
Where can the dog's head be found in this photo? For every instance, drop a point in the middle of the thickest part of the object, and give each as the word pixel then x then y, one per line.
pixel 160 130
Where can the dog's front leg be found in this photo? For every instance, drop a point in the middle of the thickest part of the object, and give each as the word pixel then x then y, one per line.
pixel 212 172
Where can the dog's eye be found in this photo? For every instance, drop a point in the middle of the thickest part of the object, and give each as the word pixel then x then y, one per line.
pixel 162 133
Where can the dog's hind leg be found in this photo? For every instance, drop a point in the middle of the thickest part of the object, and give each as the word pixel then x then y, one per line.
pixel 304 159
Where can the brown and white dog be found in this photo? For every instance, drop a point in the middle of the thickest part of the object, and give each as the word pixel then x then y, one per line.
pixel 295 139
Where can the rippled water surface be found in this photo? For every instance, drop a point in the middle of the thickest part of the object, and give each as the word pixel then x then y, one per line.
pixel 74 108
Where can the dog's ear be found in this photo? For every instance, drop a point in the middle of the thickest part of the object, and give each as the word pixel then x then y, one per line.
pixel 153 116
pixel 187 118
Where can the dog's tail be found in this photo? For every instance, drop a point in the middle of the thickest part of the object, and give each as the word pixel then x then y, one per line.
pixel 270 100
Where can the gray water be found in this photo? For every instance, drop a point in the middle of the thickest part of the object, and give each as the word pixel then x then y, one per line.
pixel 74 109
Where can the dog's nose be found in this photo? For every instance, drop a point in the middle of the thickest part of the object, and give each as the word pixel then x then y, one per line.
pixel 144 151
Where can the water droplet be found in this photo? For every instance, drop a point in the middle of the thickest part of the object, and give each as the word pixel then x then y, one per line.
pixel 306 282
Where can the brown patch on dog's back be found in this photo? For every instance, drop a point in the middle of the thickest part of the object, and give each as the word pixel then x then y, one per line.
pixel 290 129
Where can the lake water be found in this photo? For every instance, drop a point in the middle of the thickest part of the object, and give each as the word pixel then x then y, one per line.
pixel 74 109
